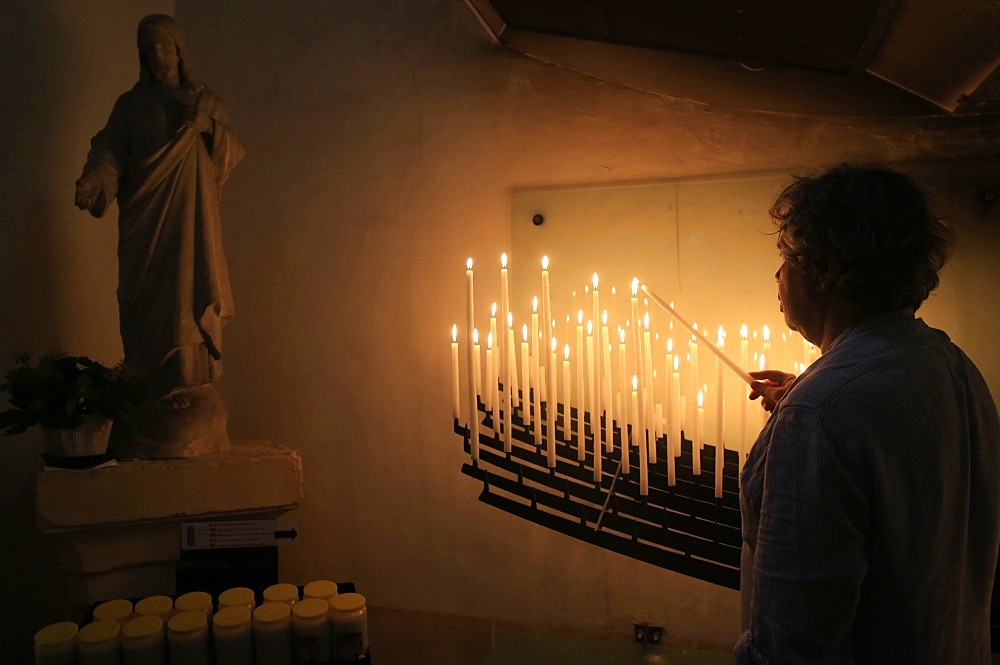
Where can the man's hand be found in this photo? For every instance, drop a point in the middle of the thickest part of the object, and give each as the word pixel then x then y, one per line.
pixel 87 190
pixel 771 385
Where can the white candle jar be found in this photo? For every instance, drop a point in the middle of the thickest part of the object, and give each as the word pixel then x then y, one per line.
pixel 232 634
pixel 324 589
pixel 100 643
pixel 187 638
pixel 282 592
pixel 311 631
pixel 195 601
pixel 272 634
pixel 349 626
pixel 55 644
pixel 156 606
pixel 143 641
pixel 240 596
pixel 119 610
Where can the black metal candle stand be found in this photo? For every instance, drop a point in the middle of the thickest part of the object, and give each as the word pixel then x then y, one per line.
pixel 681 527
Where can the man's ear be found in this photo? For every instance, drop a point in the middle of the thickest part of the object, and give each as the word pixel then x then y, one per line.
pixel 827 277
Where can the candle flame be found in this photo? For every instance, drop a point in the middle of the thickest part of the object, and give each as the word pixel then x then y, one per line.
pixel 670 345
pixel 554 345
pixel 503 260
pixel 534 304
pixel 635 286
pixel 677 363
pixel 743 331
pixel 579 318
pixel 701 399
pixel 645 321
pixel 468 264
pixel 604 318
pixel 545 262
pixel 475 335
pixel 595 281
pixel 614 290
pixel 767 334
pixel 721 336
pixel 510 319
pixel 489 340
pixel 454 333
pixel 635 382
pixel 590 327
pixel 566 352
pixel 621 334
pixel 762 362
pixel 493 310
pixel 524 332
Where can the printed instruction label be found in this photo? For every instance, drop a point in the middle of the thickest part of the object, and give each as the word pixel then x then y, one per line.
pixel 237 533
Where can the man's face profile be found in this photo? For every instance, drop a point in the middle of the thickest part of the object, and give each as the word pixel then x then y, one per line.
pixel 161 56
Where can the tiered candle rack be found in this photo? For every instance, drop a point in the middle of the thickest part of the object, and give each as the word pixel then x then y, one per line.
pixel 683 528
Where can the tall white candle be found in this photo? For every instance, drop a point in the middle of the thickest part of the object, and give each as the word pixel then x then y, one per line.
pixel 621 395
pixel 671 461
pixel 477 372
pixel 492 391
pixel 525 375
pixel 580 431
pixel 492 387
pixel 506 347
pixel 553 406
pixel 591 403
pixel 675 406
pixel 536 379
pixel 547 323
pixel 640 434
pixel 471 360
pixel 699 433
pixel 673 447
pixel 608 411
pixel 596 371
pixel 695 378
pixel 647 387
pixel 512 363
pixel 566 427
pixel 719 392
pixel 744 403
pixel 455 406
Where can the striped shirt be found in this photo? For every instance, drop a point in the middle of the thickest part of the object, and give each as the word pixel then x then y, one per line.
pixel 871 507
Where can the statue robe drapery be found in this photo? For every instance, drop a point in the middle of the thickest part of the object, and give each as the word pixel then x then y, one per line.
pixel 174 293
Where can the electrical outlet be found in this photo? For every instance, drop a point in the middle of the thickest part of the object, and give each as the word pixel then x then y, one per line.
pixel 647 634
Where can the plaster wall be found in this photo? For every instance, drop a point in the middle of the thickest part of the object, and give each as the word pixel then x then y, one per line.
pixel 384 139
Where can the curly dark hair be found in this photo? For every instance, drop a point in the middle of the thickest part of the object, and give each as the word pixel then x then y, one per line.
pixel 870 227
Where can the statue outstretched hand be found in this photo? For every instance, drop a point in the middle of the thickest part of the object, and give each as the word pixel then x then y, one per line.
pixel 88 189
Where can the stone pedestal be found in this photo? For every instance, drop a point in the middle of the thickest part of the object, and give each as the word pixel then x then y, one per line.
pixel 119 526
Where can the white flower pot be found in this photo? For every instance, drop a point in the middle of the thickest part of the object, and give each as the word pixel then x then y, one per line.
pixel 90 438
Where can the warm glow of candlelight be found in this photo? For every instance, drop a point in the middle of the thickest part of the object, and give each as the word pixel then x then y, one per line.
pixel 604 318
pixel 635 286
pixel 534 305
pixel 554 345
pixel 670 345
pixel 635 382
pixel 475 335
pixel 545 263
pixel 767 334
pixel 743 331
pixel 489 340
pixel 510 319
pixel 503 260
pixel 493 310
pixel 565 351
pixel 590 327
pixel 645 321
pixel 721 336
pixel 468 264
pixel 454 333
pixel 524 332
pixel 594 280
pixel 579 317
pixel 621 334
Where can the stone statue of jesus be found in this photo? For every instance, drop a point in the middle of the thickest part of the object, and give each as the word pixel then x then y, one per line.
pixel 165 153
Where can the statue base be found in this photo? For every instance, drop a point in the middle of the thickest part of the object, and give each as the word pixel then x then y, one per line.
pixel 189 422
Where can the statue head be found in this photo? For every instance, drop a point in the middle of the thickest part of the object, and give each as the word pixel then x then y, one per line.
pixel 162 30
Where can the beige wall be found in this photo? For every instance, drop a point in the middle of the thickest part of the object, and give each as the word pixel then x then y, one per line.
pixel 384 139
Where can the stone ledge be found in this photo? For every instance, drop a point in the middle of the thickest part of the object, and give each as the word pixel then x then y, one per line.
pixel 253 476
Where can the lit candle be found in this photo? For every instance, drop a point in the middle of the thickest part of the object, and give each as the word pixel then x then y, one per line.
pixel 609 432
pixel 477 362
pixel 552 408
pixel 675 405
pixel 580 433
pixel 693 349
pixel 515 401
pixel 693 329
pixel 591 403
pixel 744 403
pixel 566 428
pixel 673 447
pixel 456 408
pixel 473 400
pixel 547 319
pixel 647 386
pixel 640 438
pixel 506 347
pixel 525 374
pixel 699 432
pixel 491 391
pixel 596 371
pixel 671 464
pixel 492 387
pixel 534 350
pixel 719 392
pixel 621 394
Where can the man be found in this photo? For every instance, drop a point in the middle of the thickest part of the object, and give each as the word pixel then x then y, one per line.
pixel 871 499
pixel 165 153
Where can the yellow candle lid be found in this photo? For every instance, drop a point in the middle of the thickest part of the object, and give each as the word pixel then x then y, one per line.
pixel 116 609
pixel 142 626
pixel 232 617
pixel 186 622
pixel 347 602
pixel 282 592
pixel 311 608
pixel 154 606
pixel 271 612
pixel 102 630
pixel 240 595
pixel 57 634
pixel 193 600
pixel 319 589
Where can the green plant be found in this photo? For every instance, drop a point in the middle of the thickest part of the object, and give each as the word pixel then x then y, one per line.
pixel 58 390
